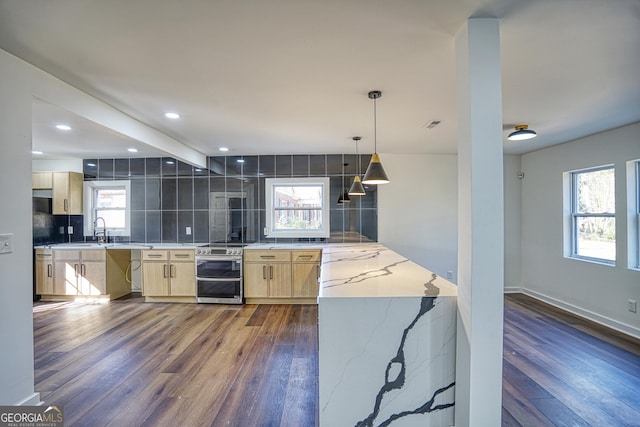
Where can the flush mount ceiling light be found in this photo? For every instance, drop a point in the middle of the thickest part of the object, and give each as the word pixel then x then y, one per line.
pixel 521 133
pixel 63 127
pixel 36 152
pixel 172 115
pixel 224 149
pixel 356 188
pixel 375 172
pixel 132 150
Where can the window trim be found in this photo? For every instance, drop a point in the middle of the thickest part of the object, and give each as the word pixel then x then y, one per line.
pixel 269 230
pixel 89 207
pixel 574 215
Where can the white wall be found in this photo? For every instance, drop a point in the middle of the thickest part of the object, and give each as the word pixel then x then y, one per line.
pixel 417 210
pixel 512 224
pixel 595 291
pixel 16 268
pixel 62 165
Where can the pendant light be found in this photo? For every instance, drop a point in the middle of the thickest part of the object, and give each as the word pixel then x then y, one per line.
pixel 375 172
pixel 344 197
pixel 356 188
pixel 521 133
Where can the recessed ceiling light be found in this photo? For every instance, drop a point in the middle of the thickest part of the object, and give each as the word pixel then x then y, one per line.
pixel 63 127
pixel 132 150
pixel 223 149
pixel 36 152
pixel 172 115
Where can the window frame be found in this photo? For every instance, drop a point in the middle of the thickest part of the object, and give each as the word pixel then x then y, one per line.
pixel 270 230
pixel 90 188
pixel 575 215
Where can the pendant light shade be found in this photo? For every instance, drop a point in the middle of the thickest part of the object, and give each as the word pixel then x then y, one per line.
pixel 356 188
pixel 521 133
pixel 375 173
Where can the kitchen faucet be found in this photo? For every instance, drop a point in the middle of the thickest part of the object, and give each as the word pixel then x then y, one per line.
pixel 103 232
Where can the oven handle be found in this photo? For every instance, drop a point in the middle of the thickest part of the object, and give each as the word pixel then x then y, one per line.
pixel 218 258
pixel 207 279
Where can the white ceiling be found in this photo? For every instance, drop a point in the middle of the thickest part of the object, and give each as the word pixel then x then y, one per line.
pixel 292 76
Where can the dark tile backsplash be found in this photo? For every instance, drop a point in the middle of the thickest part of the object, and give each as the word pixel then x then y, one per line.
pixel 169 196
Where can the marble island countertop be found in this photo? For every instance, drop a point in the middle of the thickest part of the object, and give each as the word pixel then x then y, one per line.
pixel 373 270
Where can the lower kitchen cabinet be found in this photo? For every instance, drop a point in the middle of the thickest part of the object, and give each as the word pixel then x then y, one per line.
pixel 169 273
pixel 71 273
pixel 306 273
pixel 80 272
pixel 281 276
pixel 44 272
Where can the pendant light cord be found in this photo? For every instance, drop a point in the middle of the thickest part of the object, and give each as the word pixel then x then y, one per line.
pixel 375 127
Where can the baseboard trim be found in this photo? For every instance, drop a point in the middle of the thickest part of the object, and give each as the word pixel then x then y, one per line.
pixel 32 400
pixel 589 315
pixel 512 290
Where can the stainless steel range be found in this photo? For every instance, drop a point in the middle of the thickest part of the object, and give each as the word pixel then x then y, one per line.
pixel 219 275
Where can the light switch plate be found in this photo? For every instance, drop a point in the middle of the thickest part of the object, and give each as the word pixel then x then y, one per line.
pixel 188 231
pixel 6 243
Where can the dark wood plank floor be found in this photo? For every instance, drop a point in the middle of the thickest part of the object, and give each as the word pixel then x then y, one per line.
pixel 561 370
pixel 129 363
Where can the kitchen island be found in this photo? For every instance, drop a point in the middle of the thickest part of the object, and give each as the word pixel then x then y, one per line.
pixel 387 332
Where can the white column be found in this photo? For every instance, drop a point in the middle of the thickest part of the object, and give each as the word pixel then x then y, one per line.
pixel 480 225
pixel 16 295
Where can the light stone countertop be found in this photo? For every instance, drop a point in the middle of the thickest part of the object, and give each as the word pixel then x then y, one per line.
pixel 108 246
pixel 369 270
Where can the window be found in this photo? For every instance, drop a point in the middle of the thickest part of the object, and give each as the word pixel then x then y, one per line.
pixel 297 207
pixel 107 201
pixel 593 222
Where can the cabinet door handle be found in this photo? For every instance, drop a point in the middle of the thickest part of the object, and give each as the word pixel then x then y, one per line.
pixel 171 271
pixel 49 270
pixel 271 272
pixel 164 270
pixel 66 205
pixel 267 256
pixel 264 272
pixel 75 269
pixel 154 255
pixel 318 269
pixel 181 255
pixel 83 269
pixel 305 256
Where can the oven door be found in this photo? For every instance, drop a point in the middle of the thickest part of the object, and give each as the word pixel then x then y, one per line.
pixel 222 267
pixel 221 291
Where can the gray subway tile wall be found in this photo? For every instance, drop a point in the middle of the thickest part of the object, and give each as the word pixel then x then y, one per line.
pixel 174 202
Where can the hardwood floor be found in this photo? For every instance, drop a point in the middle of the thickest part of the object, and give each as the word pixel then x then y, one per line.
pixel 129 363
pixel 561 370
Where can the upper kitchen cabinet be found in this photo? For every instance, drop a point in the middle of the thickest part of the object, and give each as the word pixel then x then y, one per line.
pixel 42 180
pixel 67 193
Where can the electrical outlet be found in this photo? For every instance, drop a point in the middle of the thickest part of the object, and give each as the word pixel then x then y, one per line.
pixel 449 275
pixel 188 231
pixel 6 243
pixel 633 306
pixel 70 229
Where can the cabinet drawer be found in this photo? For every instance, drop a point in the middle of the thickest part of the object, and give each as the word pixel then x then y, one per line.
pixel 182 255
pixel 267 256
pixel 44 254
pixel 66 254
pixel 155 255
pixel 306 256
pixel 94 254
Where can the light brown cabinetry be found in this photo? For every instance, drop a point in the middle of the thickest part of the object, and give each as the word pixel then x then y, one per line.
pixel 67 193
pixel 44 272
pixel 306 272
pixel 168 273
pixel 66 189
pixel 281 276
pixel 68 273
pixel 79 272
pixel 267 274
pixel 42 180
